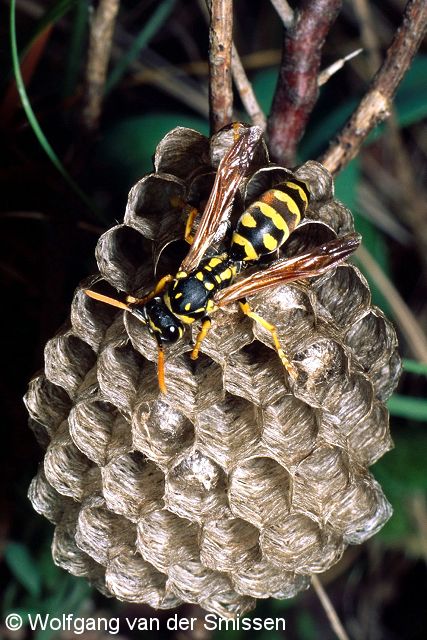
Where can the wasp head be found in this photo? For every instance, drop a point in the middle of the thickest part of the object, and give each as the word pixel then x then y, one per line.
pixel 160 321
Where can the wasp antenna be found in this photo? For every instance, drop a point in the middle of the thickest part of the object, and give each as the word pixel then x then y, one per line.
pixel 111 301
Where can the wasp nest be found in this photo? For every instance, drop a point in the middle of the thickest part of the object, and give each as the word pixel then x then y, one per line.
pixel 238 483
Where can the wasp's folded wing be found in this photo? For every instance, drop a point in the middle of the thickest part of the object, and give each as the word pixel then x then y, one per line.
pixel 231 170
pixel 313 263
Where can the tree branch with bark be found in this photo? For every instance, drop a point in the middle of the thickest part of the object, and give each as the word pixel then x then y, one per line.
pixel 297 87
pixel 375 105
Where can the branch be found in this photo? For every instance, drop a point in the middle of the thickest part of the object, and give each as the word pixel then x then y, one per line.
pixel 375 105
pixel 408 323
pixel 412 200
pixel 327 73
pixel 246 92
pixel 368 33
pixel 220 44
pixel 244 87
pixel 101 35
pixel 328 607
pixel 297 87
pixel 285 12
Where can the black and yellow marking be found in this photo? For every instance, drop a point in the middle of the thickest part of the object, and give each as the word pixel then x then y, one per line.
pixel 189 297
pixel 214 262
pixel 191 216
pixel 268 222
pixel 273 331
pixel 263 228
pixel 158 289
pixel 195 291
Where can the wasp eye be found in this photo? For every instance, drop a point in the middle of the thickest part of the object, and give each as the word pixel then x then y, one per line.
pixel 172 333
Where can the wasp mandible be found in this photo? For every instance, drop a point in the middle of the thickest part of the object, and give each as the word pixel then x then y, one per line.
pixel 203 284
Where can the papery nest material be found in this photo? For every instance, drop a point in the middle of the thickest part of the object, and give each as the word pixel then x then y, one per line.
pixel 237 484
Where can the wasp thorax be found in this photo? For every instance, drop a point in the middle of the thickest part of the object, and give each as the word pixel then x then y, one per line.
pixel 240 482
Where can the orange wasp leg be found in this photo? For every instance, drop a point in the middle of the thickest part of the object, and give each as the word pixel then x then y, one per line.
pixel 161 368
pixel 206 325
pixel 160 286
pixel 273 330
pixel 192 214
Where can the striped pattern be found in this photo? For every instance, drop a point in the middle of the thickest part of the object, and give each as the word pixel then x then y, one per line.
pixel 189 296
pixel 268 222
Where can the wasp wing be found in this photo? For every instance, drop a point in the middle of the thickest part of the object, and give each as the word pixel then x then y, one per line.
pixel 313 263
pixel 231 170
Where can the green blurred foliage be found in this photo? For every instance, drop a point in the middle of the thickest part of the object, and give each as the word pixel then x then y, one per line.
pixel 23 567
pixel 149 29
pixel 307 627
pixel 40 587
pixel 408 407
pixel 402 475
pixel 413 366
pixel 129 145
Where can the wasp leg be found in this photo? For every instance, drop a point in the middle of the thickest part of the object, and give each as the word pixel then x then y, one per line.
pixel 272 329
pixel 206 325
pixel 192 214
pixel 161 366
pixel 160 286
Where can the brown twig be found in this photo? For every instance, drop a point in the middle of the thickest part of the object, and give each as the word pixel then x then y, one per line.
pixel 220 44
pixel 256 60
pixel 409 325
pixel 415 210
pixel 368 33
pixel 244 87
pixel 246 91
pixel 375 106
pixel 101 35
pixel 175 81
pixel 418 509
pixel 412 198
pixel 285 12
pixel 297 87
pixel 329 609
pixel 327 73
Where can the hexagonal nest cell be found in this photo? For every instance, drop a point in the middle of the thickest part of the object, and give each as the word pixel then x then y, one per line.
pixel 239 482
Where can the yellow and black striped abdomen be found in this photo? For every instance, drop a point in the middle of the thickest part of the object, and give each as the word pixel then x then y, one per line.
pixel 267 223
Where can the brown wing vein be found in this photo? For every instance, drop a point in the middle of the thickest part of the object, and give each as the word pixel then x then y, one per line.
pixel 231 170
pixel 312 263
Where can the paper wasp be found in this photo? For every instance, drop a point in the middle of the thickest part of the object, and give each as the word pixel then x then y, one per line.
pixel 205 284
